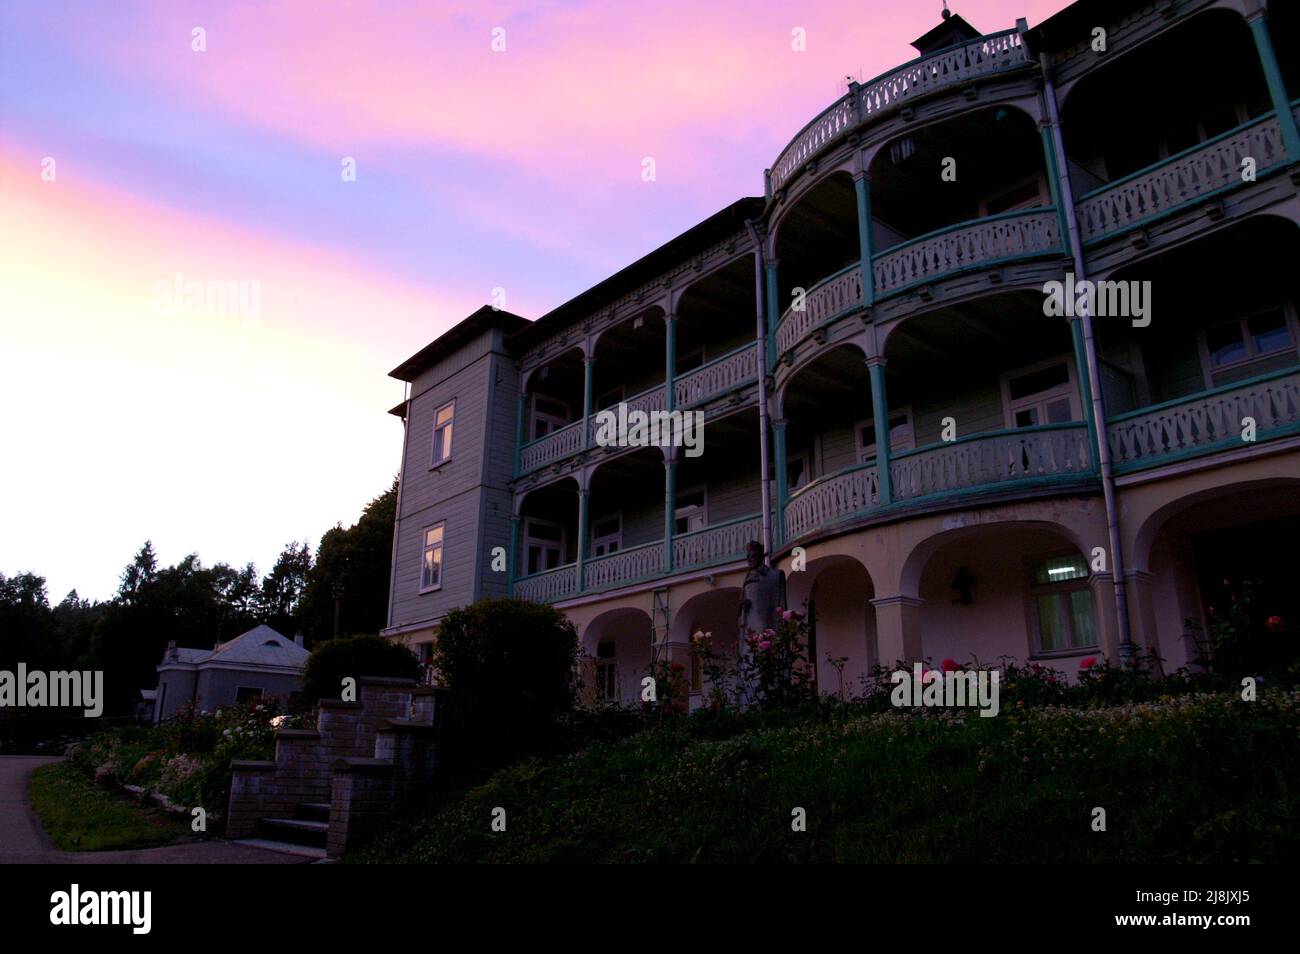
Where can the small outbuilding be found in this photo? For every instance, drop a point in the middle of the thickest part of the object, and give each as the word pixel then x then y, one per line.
pixel 259 664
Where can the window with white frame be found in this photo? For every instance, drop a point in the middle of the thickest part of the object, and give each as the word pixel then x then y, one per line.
pixel 1247 339
pixel 442 421
pixel 1043 393
pixel 548 415
pixel 607 535
pixel 543 545
pixel 690 511
pixel 1060 605
pixel 431 558
pixel 900 434
pixel 606 673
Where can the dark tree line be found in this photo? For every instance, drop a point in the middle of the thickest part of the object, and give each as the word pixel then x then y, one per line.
pixel 198 605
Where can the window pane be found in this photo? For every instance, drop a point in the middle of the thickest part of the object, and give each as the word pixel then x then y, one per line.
pixel 1058 411
pixel 1051 622
pixel 433 535
pixel 1060 569
pixel 1081 613
pixel 1269 332
pixel 442 443
pixel 1225 345
pixel 1027 417
pixel 444 415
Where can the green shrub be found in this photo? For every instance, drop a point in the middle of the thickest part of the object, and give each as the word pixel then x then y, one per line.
pixel 511 667
pixel 355 656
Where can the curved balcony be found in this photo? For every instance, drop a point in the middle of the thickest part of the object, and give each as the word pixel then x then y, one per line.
pixel 981 243
pixel 823 303
pixel 830 499
pixel 1030 454
pixel 720 543
pixel 624 566
pixel 1180 180
pixel 1206 422
pixel 554 446
pixel 945 69
pixel 732 370
pixel 548 585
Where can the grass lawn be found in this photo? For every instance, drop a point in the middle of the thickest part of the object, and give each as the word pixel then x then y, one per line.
pixel 79 815
pixel 1204 778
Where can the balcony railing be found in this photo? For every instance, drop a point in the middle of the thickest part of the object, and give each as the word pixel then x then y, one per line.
pixel 719 376
pixel 825 301
pixel 651 399
pixel 985 460
pixel 554 446
pixel 1181 179
pixel 830 499
pixel 1205 422
pixel 625 566
pixel 945 69
pixel 720 543
pixel 547 585
pixel 978 244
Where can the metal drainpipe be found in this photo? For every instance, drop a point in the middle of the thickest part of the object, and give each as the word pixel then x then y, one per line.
pixel 765 494
pixel 397 504
pixel 1102 448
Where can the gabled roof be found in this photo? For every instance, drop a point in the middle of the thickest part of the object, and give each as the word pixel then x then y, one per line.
pixel 261 646
pixel 951 30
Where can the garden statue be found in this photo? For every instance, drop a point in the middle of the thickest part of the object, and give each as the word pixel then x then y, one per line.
pixel 762 594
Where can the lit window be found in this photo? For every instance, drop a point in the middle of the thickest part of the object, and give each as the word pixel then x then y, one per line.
pixel 442 421
pixel 1061 603
pixel 431 558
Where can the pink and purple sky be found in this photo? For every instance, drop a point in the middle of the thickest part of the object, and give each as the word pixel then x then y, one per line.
pixel 231 435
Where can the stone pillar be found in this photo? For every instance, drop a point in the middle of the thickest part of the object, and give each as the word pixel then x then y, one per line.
pixel 862 193
pixel 1103 614
pixel 898 629
pixel 880 405
pixel 1142 610
pixel 1276 88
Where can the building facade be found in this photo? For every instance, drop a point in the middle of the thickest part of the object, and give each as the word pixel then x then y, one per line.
pixel 257 665
pixel 1062 475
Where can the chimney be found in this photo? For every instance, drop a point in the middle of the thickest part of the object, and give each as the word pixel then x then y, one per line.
pixel 297 638
pixel 171 650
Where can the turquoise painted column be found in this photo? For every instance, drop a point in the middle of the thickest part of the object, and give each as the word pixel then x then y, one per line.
pixel 513 565
pixel 670 506
pixel 1085 389
pixel 782 479
pixel 880 405
pixel 582 538
pixel 588 364
pixel 519 429
pixel 1054 182
pixel 670 360
pixel 1276 88
pixel 773 311
pixel 862 192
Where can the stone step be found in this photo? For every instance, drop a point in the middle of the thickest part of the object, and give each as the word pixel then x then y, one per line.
pixel 297 831
pixel 313 811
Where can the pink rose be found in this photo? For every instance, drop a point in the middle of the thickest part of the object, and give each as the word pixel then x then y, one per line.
pixel 1275 624
pixel 1088 663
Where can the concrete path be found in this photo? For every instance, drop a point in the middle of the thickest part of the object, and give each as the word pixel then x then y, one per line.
pixel 23 841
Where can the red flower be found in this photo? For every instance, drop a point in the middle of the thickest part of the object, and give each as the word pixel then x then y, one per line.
pixel 1275 624
pixel 1088 663
pixel 949 665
